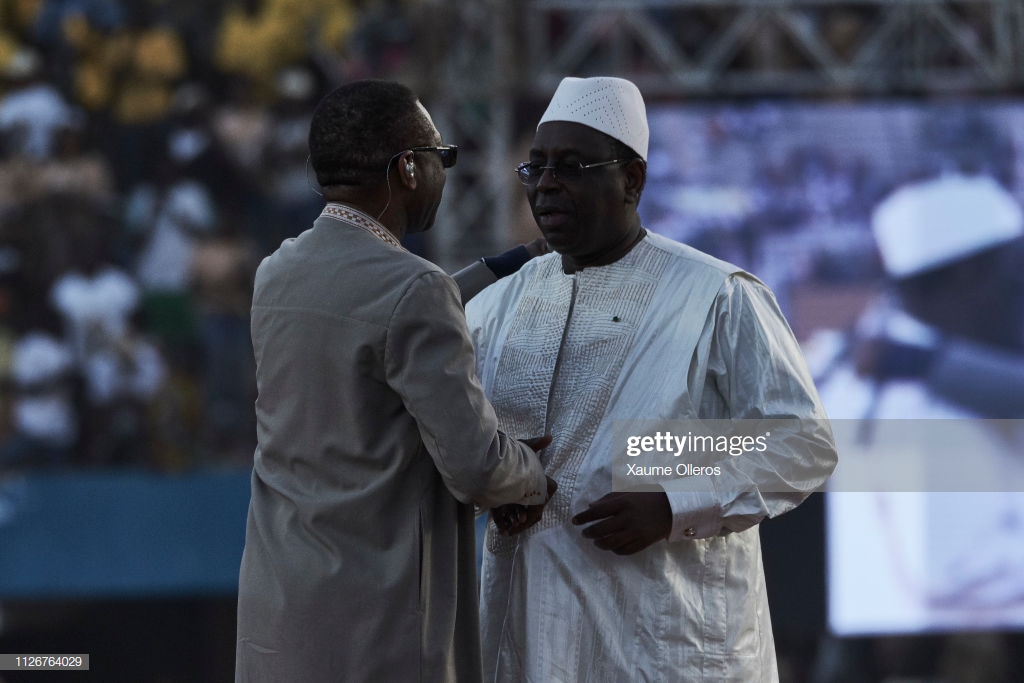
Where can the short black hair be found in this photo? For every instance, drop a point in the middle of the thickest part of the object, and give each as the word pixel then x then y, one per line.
pixel 358 127
pixel 620 150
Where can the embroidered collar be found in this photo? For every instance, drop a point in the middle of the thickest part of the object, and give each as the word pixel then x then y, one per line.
pixel 361 220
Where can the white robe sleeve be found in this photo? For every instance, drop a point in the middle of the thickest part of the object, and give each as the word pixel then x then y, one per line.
pixel 748 366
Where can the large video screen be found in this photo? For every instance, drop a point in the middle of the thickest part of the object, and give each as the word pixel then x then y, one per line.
pixel 794 193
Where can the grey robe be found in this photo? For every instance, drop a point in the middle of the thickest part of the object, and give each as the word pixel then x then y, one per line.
pixel 374 438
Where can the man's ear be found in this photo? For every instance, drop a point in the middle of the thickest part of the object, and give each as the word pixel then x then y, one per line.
pixel 406 164
pixel 636 178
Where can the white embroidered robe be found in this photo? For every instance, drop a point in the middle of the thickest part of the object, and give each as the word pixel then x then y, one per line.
pixel 665 332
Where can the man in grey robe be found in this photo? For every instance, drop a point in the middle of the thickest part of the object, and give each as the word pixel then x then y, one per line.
pixel 622 325
pixel 375 438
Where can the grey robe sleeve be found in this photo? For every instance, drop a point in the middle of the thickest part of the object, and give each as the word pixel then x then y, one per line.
pixel 472 279
pixel 431 364
pixel 488 270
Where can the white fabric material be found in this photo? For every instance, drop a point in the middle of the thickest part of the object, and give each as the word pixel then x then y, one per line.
pixel 185 144
pixel 190 205
pixel 666 332
pixel 136 372
pixel 613 106
pixel 929 224
pixel 42 111
pixel 165 262
pixel 95 307
pixel 48 417
pixel 39 359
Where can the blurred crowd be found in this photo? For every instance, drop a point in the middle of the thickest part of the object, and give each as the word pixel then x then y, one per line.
pixel 151 153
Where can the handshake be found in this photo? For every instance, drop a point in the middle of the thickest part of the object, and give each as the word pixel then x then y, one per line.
pixel 513 518
pixel 621 522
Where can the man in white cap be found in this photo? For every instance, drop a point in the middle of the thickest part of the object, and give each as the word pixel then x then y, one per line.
pixel 622 324
pixel 955 231
pixel 911 549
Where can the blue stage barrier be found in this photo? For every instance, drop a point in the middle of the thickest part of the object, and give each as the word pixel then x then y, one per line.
pixel 121 533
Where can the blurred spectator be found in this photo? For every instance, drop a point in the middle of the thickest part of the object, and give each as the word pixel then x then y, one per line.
pixel 123 376
pixel 168 219
pixel 257 40
pixel 288 199
pixel 380 42
pixel 31 113
pixel 95 305
pixel 120 372
pixel 171 218
pixel 55 19
pixel 17 19
pixel 154 62
pixel 242 126
pixel 10 263
pixel 71 169
pixel 128 74
pixel 76 168
pixel 51 234
pixel 223 267
pixel 43 415
pixel 194 147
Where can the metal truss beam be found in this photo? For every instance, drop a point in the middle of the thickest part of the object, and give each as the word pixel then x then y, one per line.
pixel 470 92
pixel 765 47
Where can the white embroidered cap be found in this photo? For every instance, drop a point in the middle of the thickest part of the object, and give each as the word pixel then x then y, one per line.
pixel 611 105
pixel 932 223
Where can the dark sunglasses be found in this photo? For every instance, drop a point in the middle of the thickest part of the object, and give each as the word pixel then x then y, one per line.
pixel 448 153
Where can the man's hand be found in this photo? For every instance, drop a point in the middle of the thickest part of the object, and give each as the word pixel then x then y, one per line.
pixel 627 522
pixel 512 519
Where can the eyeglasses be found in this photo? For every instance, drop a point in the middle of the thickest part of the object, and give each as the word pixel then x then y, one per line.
pixel 529 173
pixel 448 153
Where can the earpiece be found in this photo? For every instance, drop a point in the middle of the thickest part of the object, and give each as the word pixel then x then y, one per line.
pixel 410 167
